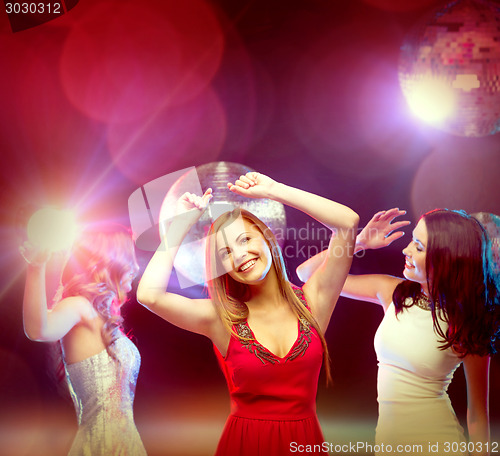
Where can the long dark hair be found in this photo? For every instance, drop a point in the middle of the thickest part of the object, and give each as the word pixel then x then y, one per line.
pixel 229 295
pixel 456 282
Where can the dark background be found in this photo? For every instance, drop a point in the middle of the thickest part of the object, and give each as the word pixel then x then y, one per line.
pixel 116 93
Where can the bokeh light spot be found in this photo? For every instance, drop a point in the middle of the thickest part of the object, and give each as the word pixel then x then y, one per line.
pixel 124 60
pixel 52 229
pixel 431 99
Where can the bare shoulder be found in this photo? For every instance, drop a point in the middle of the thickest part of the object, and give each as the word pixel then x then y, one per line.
pixel 78 305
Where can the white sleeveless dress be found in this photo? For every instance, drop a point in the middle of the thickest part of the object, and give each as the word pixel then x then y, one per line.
pixel 413 377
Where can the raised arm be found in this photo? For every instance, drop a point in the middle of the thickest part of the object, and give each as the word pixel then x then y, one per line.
pixel 41 324
pixel 323 288
pixel 478 423
pixel 379 232
pixel 196 315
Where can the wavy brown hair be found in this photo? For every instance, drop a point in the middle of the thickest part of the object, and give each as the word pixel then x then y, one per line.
pixel 456 281
pixel 229 296
pixel 100 263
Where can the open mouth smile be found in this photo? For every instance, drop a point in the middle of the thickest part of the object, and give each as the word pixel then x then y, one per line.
pixel 247 265
pixel 408 264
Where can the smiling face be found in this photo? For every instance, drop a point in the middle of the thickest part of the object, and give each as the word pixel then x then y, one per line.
pixel 243 252
pixel 415 254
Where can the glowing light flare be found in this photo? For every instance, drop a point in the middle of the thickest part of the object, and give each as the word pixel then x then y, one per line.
pixel 384 122
pixel 431 99
pixel 350 135
pixel 123 61
pixel 52 229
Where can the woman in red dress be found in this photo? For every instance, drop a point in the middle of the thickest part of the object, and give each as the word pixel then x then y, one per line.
pixel 268 334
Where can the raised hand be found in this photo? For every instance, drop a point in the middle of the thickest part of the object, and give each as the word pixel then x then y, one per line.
pixel 189 201
pixel 188 210
pixel 33 255
pixel 379 233
pixel 252 185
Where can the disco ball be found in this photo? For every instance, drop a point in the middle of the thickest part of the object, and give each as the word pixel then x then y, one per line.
pixel 190 259
pixel 457 48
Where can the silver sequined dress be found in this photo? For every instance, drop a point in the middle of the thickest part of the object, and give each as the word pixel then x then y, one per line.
pixel 103 393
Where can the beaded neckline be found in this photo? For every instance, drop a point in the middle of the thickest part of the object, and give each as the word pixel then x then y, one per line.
pixel 423 302
pixel 248 340
pixel 263 354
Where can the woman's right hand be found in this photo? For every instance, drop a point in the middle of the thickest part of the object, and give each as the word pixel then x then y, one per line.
pixel 34 256
pixel 188 210
pixel 189 201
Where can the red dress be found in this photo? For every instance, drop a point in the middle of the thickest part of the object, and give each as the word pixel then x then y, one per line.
pixel 273 399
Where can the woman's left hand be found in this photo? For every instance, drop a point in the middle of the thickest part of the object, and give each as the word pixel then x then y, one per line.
pixel 380 230
pixel 252 185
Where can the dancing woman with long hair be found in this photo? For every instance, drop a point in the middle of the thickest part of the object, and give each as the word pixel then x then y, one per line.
pixel 101 363
pixel 442 314
pixel 268 334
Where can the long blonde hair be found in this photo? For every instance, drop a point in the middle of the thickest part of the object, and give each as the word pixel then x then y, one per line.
pixel 100 263
pixel 229 296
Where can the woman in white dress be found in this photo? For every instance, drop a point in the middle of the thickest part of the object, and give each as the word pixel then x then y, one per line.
pixel 101 363
pixel 443 313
